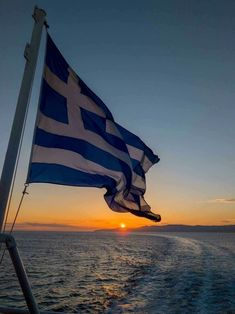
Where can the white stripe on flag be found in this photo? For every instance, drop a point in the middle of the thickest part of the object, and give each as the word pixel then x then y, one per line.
pixel 75 161
pixel 78 162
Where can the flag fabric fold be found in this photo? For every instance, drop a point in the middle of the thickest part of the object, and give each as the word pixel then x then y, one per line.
pixel 78 143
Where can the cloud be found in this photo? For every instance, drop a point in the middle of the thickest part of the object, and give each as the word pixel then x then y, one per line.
pixel 228 221
pixel 223 201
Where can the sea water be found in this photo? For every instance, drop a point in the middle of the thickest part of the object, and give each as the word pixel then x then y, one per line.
pixel 124 272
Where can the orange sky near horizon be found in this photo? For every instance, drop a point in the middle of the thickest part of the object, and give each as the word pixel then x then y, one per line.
pixel 61 208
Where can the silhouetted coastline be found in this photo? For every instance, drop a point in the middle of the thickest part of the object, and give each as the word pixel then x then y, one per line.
pixel 177 228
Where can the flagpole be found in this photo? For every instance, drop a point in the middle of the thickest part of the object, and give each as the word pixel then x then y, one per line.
pixel 31 54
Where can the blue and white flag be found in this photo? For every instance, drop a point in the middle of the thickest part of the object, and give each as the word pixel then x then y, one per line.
pixel 78 143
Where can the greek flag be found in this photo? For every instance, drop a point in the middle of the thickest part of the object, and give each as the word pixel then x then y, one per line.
pixel 78 143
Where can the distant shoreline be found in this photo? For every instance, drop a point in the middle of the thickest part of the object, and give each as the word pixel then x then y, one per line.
pixel 155 229
pixel 177 228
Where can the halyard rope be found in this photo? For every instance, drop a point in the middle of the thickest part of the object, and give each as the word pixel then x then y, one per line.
pixel 16 215
pixel 13 184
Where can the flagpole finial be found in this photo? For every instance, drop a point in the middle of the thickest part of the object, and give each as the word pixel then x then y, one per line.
pixel 38 14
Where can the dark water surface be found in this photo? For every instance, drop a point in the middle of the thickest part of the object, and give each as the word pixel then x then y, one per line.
pixel 125 273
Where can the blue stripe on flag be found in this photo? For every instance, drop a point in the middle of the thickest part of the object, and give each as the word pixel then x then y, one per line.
pixel 97 124
pixel 134 140
pixel 87 150
pixel 137 168
pixel 53 104
pixel 59 174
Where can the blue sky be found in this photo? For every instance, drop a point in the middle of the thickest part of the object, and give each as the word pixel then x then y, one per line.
pixel 166 71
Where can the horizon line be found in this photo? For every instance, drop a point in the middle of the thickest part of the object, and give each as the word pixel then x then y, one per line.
pixel 28 226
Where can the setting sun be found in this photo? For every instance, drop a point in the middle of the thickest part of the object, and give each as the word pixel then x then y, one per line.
pixel 122 225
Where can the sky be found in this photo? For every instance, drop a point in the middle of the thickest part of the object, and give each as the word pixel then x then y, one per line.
pixel 165 69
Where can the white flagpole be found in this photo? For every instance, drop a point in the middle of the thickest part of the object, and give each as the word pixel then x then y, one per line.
pixel 31 54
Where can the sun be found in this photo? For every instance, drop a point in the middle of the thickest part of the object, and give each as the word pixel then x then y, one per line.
pixel 122 226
